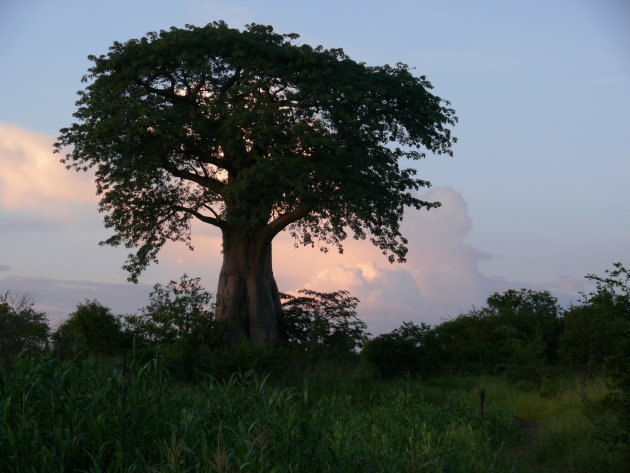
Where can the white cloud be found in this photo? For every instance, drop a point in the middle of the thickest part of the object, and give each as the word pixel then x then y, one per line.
pixel 32 175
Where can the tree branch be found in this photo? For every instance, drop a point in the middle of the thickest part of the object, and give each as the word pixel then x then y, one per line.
pixel 211 210
pixel 282 221
pixel 231 81
pixel 204 218
pixel 207 182
pixel 218 162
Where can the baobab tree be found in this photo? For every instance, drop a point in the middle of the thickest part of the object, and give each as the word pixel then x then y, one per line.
pixel 254 134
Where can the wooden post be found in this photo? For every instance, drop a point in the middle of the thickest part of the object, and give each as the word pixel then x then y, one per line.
pixel 482 399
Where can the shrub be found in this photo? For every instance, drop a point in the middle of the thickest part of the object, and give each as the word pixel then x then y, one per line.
pixel 179 311
pixel 607 311
pixel 410 349
pixel 316 321
pixel 90 329
pixel 177 328
pixel 516 333
pixel 22 328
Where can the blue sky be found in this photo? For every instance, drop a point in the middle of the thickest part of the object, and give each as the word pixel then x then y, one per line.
pixel 538 188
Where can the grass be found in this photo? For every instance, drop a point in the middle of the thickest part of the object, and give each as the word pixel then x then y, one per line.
pixel 67 417
pixel 556 433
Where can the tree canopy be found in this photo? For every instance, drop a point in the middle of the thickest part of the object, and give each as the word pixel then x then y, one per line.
pixel 253 133
pixel 22 328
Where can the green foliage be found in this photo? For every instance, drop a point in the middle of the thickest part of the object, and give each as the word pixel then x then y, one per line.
pixel 246 356
pixel 21 327
pixel 585 341
pixel 606 314
pixel 179 311
pixel 516 333
pixel 410 348
pixel 315 321
pixel 90 329
pixel 252 132
pixel 534 316
pixel 58 416
pixel 178 328
pixel 66 417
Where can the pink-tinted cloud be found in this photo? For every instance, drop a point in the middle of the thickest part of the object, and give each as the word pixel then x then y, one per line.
pixel 439 279
pixel 32 176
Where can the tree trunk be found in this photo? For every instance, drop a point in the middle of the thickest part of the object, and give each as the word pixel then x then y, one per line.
pixel 247 297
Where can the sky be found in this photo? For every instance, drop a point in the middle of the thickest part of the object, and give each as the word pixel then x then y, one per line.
pixel 536 195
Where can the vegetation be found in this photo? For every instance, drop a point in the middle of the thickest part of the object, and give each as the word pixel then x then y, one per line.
pixel 65 416
pixel 316 321
pixel 21 327
pixel 254 134
pixel 409 349
pixel 91 329
pixel 172 397
pixel 610 304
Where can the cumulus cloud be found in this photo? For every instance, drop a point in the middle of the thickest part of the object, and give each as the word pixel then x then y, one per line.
pixel 440 278
pixel 5 267
pixel 33 176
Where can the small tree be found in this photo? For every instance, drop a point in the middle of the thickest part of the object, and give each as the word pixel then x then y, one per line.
pixel 604 319
pixel 90 329
pixel 323 321
pixel 410 348
pixel 517 331
pixel 534 317
pixel 179 311
pixel 22 328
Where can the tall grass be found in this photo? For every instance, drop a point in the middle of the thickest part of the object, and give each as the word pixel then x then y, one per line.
pixel 560 437
pixel 66 417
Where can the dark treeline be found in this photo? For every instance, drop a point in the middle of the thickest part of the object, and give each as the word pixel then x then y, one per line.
pixel 521 334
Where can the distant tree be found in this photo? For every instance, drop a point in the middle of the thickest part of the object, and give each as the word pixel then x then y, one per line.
pixel 586 339
pixel 22 328
pixel 594 329
pixel 254 134
pixel 179 311
pixel 410 348
pixel 517 331
pixel 90 329
pixel 323 321
pixel 534 316
pixel 597 340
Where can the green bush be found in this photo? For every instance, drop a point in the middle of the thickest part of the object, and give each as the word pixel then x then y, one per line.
pixel 91 329
pixel 323 321
pixel 59 416
pixel 606 312
pixel 177 328
pixel 179 311
pixel 409 349
pixel 517 334
pixel 22 328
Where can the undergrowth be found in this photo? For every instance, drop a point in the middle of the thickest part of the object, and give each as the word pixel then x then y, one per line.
pixel 58 416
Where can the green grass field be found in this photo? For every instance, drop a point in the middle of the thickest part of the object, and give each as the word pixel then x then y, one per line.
pixel 63 417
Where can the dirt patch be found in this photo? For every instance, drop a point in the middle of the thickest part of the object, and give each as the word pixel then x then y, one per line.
pixel 522 452
pixel 527 427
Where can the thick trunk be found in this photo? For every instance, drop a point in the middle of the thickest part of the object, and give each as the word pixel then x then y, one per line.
pixel 247 297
